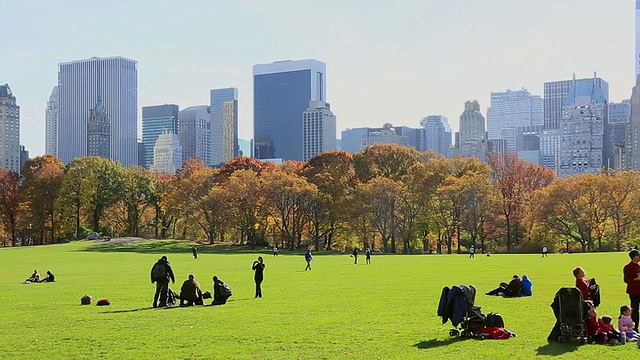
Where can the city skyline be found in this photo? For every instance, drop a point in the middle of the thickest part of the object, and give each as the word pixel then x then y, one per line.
pixel 415 55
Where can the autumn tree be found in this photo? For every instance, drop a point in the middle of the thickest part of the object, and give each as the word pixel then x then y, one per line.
pixel 246 190
pixel 622 200
pixel 379 199
pixel 387 160
pixel 139 193
pixel 9 202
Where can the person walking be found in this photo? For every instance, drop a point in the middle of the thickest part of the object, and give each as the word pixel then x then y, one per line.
pixel 368 255
pixel 275 251
pixel 544 251
pixel 355 255
pixel 194 251
pixel 472 252
pixel 258 268
pixel 161 273
pixel 308 257
pixel 631 273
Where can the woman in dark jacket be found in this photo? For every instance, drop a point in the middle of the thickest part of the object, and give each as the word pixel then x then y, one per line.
pixel 258 267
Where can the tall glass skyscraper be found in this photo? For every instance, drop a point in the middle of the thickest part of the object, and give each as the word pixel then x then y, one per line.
pixel 437 133
pixel 80 83
pixel 224 125
pixel 157 120
pixel 281 93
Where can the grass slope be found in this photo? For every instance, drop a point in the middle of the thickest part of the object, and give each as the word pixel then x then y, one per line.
pixel 386 310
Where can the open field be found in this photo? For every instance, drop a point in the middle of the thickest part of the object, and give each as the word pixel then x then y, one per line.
pixel 386 310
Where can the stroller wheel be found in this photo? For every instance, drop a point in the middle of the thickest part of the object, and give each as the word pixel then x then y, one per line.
pixel 454 332
pixel 583 340
pixel 561 339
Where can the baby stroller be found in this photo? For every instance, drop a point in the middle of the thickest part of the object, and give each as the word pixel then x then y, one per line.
pixel 572 313
pixel 457 304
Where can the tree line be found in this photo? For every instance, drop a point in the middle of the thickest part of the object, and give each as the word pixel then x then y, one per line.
pixel 386 197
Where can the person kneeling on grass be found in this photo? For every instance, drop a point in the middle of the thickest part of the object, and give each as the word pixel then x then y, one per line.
pixel 190 293
pixel 221 292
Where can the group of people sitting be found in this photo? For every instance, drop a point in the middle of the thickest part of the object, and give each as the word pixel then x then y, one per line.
pixel 516 287
pixel 35 278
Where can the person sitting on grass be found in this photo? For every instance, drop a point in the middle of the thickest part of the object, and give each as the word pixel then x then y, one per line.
pixel 35 277
pixel 190 293
pixel 512 289
pixel 588 288
pixel 50 277
pixel 527 284
pixel 626 325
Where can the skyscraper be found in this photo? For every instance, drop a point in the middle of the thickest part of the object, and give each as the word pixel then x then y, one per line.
pixel 637 60
pixel 472 137
pixel 99 132
pixel 167 153
pixel 9 130
pixel 632 148
pixel 195 136
pixel 618 116
pixel 224 125
pixel 281 93
pixel 80 83
pixel 555 94
pixel 51 124
pixel 512 111
pixel 351 139
pixel 155 121
pixel 437 133
pixel 318 129
pixel 582 131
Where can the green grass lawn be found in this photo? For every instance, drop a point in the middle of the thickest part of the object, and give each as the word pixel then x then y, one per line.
pixel 386 310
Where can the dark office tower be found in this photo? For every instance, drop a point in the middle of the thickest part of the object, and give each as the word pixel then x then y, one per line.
pixel 224 125
pixel 281 93
pixel 9 130
pixel 98 132
pixel 155 121
pixel 632 149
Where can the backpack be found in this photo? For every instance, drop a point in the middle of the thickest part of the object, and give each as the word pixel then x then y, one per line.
pixel 103 302
pixel 494 320
pixel 158 272
pixel 225 289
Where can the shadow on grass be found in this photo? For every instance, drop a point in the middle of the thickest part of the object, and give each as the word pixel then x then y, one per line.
pixel 430 344
pixel 555 348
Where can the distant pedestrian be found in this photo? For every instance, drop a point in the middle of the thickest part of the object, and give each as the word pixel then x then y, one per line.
pixel 355 255
pixel 544 251
pixel 161 273
pixel 308 258
pixel 368 255
pixel 194 251
pixel 258 277
pixel 275 250
pixel 472 251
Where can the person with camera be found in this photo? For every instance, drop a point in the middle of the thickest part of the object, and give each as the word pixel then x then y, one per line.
pixel 258 268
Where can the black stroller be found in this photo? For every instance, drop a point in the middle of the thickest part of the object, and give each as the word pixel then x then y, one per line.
pixel 572 313
pixel 457 304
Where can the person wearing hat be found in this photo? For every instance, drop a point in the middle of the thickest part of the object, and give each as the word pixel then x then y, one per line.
pixel 161 273
pixel 631 273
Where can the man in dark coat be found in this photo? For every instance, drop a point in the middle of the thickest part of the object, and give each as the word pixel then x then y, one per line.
pixel 161 278
pixel 221 292
pixel 190 292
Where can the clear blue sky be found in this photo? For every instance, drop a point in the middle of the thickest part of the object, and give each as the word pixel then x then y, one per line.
pixel 387 61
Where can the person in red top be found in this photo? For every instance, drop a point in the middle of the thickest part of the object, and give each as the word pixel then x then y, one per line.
pixel 631 273
pixel 583 284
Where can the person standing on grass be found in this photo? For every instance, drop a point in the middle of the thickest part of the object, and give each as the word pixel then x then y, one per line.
pixel 631 273
pixel 161 273
pixel 368 255
pixel 194 251
pixel 258 268
pixel 355 255
pixel 275 251
pixel 472 252
pixel 544 251
pixel 308 257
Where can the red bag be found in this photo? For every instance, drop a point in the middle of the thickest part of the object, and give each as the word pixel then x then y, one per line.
pixel 494 333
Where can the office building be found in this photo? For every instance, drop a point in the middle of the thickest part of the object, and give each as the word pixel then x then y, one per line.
pixel 637 53
pixel 472 137
pixel 318 129
pixel 167 153
pixel 9 130
pixel 195 135
pixel 99 132
pixel 351 140
pixel 619 115
pixel 156 120
pixel 281 93
pixel 437 134
pixel 583 131
pixel 510 111
pixel 51 124
pixel 224 125
pixel 80 83
pixel 387 134
pixel 632 145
